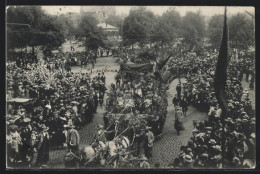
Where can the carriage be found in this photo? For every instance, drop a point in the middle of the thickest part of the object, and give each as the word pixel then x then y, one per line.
pixel 133 110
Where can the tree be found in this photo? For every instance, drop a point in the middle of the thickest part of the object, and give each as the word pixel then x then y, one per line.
pixel 193 27
pixel 90 33
pixel 114 20
pixel 138 26
pixel 167 27
pixel 215 28
pixel 67 24
pixel 241 31
pixel 45 30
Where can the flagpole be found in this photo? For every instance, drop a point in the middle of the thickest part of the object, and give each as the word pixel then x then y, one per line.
pixel 220 80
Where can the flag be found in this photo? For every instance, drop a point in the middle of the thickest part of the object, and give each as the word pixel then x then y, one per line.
pixel 221 69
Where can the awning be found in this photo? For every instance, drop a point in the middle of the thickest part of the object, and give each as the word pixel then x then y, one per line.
pixel 136 67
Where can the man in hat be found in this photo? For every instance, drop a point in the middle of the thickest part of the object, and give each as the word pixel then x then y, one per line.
pixel 56 129
pixel 43 147
pixel 178 125
pixel 101 134
pixel 143 162
pixel 187 161
pixel 14 141
pixel 175 101
pixel 26 132
pixel 73 138
pixel 149 142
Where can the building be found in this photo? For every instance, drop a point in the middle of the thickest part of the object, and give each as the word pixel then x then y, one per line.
pixel 113 34
pixel 100 12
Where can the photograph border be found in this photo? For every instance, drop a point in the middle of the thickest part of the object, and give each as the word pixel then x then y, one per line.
pixel 123 3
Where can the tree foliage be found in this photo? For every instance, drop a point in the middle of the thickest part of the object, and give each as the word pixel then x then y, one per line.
pixel 167 27
pixel 193 27
pixel 90 33
pixel 215 28
pixel 241 31
pixel 114 20
pixel 45 30
pixel 138 26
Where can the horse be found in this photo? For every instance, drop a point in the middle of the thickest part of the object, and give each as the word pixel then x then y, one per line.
pixel 115 148
pixel 94 155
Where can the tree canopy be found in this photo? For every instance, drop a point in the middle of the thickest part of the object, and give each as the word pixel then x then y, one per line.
pixel 215 28
pixel 193 27
pixel 241 31
pixel 45 30
pixel 167 27
pixel 138 26
pixel 90 33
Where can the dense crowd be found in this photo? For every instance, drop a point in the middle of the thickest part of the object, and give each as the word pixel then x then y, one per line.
pixel 136 100
pixel 237 140
pixel 64 101
pixel 59 98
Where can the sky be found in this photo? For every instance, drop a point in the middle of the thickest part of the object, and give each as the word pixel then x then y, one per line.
pixel 205 10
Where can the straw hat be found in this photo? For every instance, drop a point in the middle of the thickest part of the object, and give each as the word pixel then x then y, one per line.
pixel 26 120
pixel 43 128
pixel 13 127
pixel 217 147
pixel 212 141
pixel 69 125
pixel 187 158
pixel 143 158
pixel 75 103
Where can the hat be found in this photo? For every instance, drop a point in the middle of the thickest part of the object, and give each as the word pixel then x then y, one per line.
pixel 187 158
pixel 217 147
pixel 238 120
pixel 228 119
pixel 236 160
pixel 69 125
pixel 100 127
pixel 143 158
pixel 205 155
pixel 26 120
pixel 43 128
pixel 212 141
pixel 75 103
pixel 13 127
pixel 189 150
pixel 244 120
pixel 146 128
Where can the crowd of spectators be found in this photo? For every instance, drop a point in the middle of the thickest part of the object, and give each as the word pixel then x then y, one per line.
pixel 211 146
pixel 55 98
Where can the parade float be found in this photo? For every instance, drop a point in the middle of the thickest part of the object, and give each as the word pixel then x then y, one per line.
pixel 140 101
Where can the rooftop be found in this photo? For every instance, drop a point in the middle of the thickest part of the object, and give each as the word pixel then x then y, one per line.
pixel 106 26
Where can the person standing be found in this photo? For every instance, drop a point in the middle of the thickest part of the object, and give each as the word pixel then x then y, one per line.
pixel 73 138
pixel 178 125
pixel 43 147
pixel 178 89
pixel 175 101
pixel 184 105
pixel 149 144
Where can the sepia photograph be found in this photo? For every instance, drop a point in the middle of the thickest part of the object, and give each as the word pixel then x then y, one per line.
pixel 130 87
